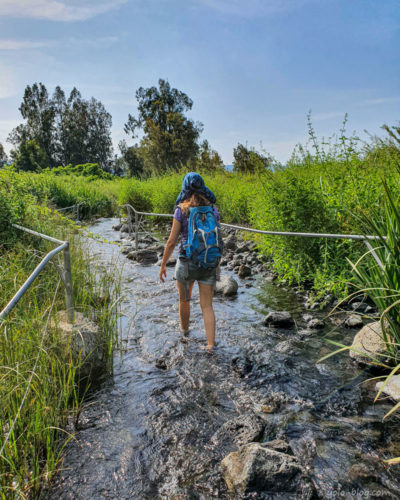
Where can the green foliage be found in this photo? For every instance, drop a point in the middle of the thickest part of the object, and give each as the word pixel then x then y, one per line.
pixel 34 359
pixel 170 138
pixel 250 161
pixel 381 280
pixel 3 156
pixel 90 170
pixel 208 160
pixel 71 130
pixel 30 157
pixel 134 193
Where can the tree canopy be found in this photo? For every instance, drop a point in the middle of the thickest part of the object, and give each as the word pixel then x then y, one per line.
pixel 66 131
pixel 169 137
pixel 3 156
pixel 249 160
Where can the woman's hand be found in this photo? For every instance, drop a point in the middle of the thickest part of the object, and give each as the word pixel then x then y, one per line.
pixel 163 272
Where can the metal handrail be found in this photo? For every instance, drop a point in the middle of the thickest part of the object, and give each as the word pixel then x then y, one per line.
pixel 358 237
pixel 66 275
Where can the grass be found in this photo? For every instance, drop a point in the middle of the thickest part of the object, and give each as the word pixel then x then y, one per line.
pixel 40 389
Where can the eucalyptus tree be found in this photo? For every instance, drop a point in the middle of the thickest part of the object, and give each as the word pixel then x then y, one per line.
pixel 66 130
pixel 169 137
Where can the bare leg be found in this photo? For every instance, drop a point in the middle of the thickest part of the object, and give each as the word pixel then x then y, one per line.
pixel 206 296
pixel 184 305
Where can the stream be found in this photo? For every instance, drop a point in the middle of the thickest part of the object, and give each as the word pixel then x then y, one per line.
pixel 161 426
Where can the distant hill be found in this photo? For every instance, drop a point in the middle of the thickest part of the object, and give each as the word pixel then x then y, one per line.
pixel 229 167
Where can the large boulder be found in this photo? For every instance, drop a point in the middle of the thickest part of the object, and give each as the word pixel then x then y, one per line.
pixel 392 388
pixel 82 340
pixel 257 468
pixel 368 342
pixel 279 319
pixel 227 286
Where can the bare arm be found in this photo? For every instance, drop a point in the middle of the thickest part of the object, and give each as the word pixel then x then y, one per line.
pixel 169 247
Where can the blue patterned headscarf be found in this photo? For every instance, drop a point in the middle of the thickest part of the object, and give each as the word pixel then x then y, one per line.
pixel 194 183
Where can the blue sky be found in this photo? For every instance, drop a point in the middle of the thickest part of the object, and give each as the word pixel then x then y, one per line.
pixel 253 68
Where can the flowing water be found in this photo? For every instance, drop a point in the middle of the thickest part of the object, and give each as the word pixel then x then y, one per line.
pixel 160 428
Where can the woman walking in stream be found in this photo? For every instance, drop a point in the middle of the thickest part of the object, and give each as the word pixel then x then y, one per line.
pixel 195 216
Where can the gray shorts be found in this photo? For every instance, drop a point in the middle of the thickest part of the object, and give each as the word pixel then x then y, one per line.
pixel 187 271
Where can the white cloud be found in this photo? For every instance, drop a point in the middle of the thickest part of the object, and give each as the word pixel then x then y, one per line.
pixel 319 117
pixel 379 100
pixel 253 8
pixel 57 10
pixel 20 44
pixel 99 43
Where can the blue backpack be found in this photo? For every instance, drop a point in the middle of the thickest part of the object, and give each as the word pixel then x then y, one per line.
pixel 204 246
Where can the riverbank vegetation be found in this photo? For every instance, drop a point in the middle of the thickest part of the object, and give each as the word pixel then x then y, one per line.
pixel 40 386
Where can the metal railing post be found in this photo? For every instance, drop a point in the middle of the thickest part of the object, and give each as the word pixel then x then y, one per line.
pixel 136 231
pixel 69 297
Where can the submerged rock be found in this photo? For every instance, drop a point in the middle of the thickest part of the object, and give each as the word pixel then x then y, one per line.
pixel 279 319
pixel 243 429
pixel 353 321
pixel 257 468
pixel 368 341
pixel 315 324
pixel 244 271
pixel 227 286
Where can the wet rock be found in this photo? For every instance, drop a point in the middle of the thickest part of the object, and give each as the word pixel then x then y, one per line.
pixel 307 317
pixel 226 286
pixel 117 227
pixel 392 388
pixel 353 321
pixel 127 250
pixel 256 468
pixel 124 228
pixel 315 324
pixel 241 365
pixel 279 319
pixel 284 346
pixel 244 271
pixel 243 429
pixel 359 306
pixel 171 262
pixel 144 257
pixel 230 242
pixel 368 341
pixel 81 340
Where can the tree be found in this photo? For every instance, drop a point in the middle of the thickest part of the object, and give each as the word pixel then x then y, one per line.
pixel 208 160
pixel 69 130
pixel 131 159
pixel 3 156
pixel 30 157
pixel 169 137
pixel 249 160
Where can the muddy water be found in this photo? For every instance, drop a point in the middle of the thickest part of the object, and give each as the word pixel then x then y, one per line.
pixel 160 428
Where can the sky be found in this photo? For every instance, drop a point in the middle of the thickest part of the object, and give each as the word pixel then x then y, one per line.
pixel 253 68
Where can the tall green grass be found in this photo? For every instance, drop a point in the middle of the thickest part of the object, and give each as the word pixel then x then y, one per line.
pixel 39 389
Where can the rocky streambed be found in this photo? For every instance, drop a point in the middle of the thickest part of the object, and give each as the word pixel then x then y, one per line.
pixel 259 419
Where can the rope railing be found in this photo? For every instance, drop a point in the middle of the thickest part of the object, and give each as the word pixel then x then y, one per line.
pixel 357 237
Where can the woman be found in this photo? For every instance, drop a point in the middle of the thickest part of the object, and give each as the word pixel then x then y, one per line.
pixel 194 193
